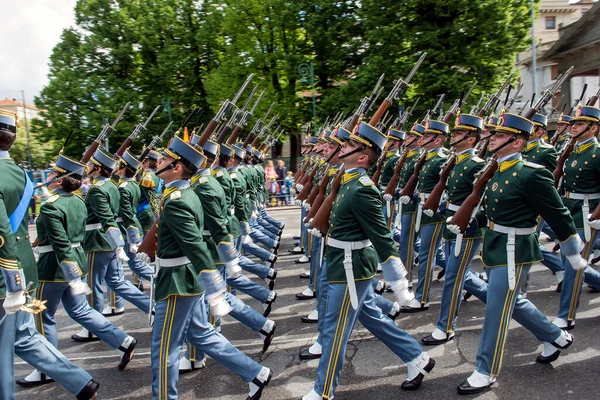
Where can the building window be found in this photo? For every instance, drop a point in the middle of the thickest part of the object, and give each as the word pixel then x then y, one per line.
pixel 550 23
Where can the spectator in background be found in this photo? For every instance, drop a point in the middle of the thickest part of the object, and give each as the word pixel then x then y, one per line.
pixel 270 171
pixel 281 171
pixel 289 181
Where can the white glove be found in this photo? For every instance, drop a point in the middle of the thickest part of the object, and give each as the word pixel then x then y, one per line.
pixel 577 262
pixel 316 232
pixel 14 301
pixel 144 257
pixel 307 224
pixel 298 202
pixel 451 227
pixel 299 187
pixel 306 205
pixel 121 256
pixel 133 248
pixel 405 199
pixel 388 197
pixel 254 215
pixel 293 192
pixel 428 212
pixel 79 287
pixel 403 295
pixel 219 307
pixel 594 224
pixel 233 269
pixel 36 252
pixel 247 239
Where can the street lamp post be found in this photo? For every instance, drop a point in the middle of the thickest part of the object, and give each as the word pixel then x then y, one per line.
pixel 533 52
pixel 307 71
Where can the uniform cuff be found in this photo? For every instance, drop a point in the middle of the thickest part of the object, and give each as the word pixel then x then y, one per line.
pixel 70 270
pixel 572 246
pixel 133 235
pixel 114 237
pixel 14 280
pixel 393 270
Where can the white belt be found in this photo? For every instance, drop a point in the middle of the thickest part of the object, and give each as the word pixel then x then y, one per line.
pixel 232 211
pixel 93 227
pixel 511 246
pixel 452 207
pixel 206 232
pixel 582 196
pixel 585 209
pixel 172 262
pixel 49 249
pixel 348 247
pixel 119 219
pixel 247 195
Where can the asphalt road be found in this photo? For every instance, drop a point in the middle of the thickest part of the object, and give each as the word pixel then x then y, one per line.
pixel 371 371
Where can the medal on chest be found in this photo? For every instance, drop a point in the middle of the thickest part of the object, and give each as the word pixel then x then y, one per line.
pixel 574 163
pixel 495 186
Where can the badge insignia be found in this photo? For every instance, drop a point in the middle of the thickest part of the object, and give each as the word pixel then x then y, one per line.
pixel 578 112
pixel 574 163
pixel 457 121
pixel 175 195
pixel 495 186
pixel 452 174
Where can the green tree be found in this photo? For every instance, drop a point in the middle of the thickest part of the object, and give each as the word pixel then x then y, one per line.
pixel 42 154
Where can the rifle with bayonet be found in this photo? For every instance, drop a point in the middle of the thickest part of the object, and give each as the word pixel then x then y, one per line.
pixel 265 130
pixel 237 114
pixel 106 131
pixel 139 128
pixel 225 109
pixel 155 141
pixel 258 126
pixel 243 121
pixel 365 104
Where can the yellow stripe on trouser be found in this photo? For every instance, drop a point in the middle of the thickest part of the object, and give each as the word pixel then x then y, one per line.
pixel 579 276
pixel 429 266
pixel 309 244
pixel 192 351
pixel 391 217
pixel 336 345
pixel 456 291
pixel 165 342
pixel 39 320
pixel 90 278
pixel 411 246
pixel 504 323
pixel 113 299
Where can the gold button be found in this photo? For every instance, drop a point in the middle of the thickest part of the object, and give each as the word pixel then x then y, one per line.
pixel 461 174
pixel 506 182
pixel 493 209
pixel 496 200
pixel 465 168
pixel 485 197
pixel 586 163
pixel 576 176
pixel 501 191
pixel 514 174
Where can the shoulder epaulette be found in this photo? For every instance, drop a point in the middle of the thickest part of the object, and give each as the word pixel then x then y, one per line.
pixel 533 165
pixel 123 184
pixel 147 181
pixel 478 159
pixel 53 198
pixel 99 183
pixel 175 195
pixel 233 175
pixel 365 180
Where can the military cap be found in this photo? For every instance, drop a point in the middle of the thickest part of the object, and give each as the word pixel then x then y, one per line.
pixel 436 127
pixel 104 159
pixel 178 149
pixel 513 123
pixel 211 148
pixel 468 122
pixel 565 119
pixel 342 134
pixel 239 150
pixel 539 120
pixel 8 121
pixel 155 155
pixel 417 130
pixel 369 136
pixel 587 113
pixel 227 150
pixel 66 165
pixel 130 160
pixel 396 134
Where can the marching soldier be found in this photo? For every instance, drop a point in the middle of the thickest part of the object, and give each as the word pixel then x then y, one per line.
pixel 464 137
pixel 581 183
pixel 186 277
pixel 517 193
pixel 357 238
pixel 431 228
pixel 395 139
pixel 62 265
pixel 563 128
pixel 151 188
pixel 104 244
pixel 19 276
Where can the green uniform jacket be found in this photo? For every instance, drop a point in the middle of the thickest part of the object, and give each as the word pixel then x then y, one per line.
pixel 429 176
pixel 388 168
pixel 214 207
pixel 405 173
pixel 560 143
pixel 61 223
pixel 247 173
pixel 357 214
pixel 180 234
pixel 541 153
pixel 149 186
pixel 332 172
pixel 15 249
pixel 460 185
pixel 515 196
pixel 102 203
pixel 582 175
pixel 130 195
pixel 222 176
pixel 261 180
pixel 239 201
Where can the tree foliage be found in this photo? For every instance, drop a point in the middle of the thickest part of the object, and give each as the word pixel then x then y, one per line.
pixel 189 53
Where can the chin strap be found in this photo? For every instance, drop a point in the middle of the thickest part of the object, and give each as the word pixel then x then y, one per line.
pixel 359 148
pixel 431 140
pixel 168 167
pixel 509 141
pixel 468 135
pixel 337 150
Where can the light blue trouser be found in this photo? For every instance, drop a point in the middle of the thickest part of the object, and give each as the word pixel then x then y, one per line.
pixel 171 321
pixel 303 231
pixel 78 309
pixel 383 303
pixel 408 238
pixel 263 213
pixel 19 336
pixel 245 285
pixel 431 238
pixel 139 268
pixel 261 238
pixel 501 304
pixel 264 229
pixel 573 282
pixel 254 249
pixel 456 268
pixel 338 322
pixel 260 270
pixel 321 298
pixel 103 265
pixel 551 260
pixel 314 262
